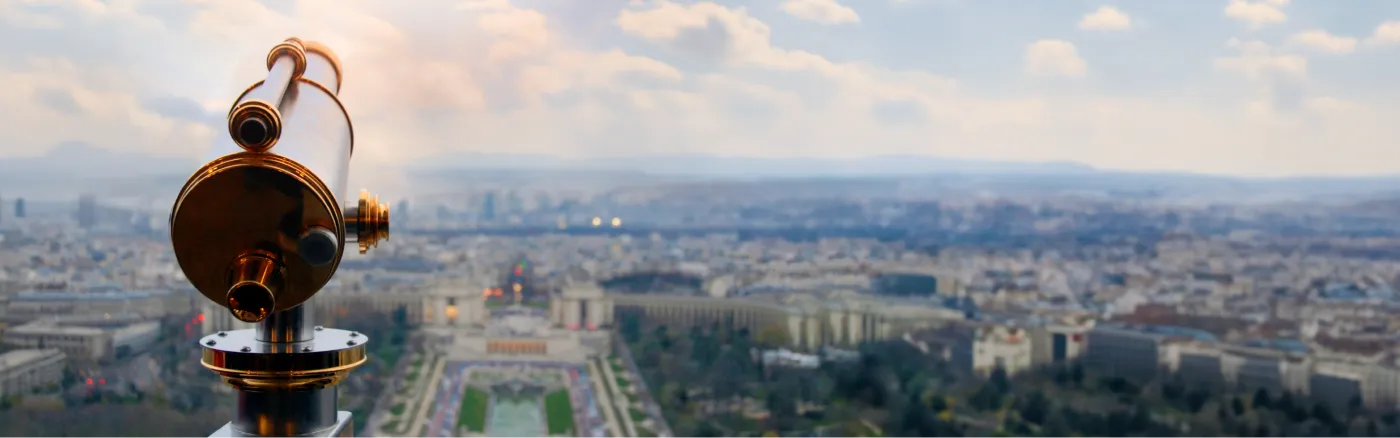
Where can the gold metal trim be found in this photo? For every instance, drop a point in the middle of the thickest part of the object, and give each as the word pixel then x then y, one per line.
pixel 349 123
pixel 372 223
pixel 265 111
pixel 291 47
pixel 282 381
pixel 204 250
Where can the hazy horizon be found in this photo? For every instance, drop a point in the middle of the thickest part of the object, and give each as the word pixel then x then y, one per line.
pixel 1255 88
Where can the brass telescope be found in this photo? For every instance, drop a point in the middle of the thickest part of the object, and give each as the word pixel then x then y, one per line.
pixel 261 228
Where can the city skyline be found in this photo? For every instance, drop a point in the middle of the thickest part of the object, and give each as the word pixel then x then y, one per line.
pixel 1261 88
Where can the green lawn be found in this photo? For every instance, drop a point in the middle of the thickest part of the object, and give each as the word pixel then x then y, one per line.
pixel 622 383
pixel 637 415
pixel 397 409
pixel 559 413
pixel 472 414
pixel 391 425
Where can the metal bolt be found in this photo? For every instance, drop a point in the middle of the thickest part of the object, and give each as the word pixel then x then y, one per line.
pixel 354 335
pixel 319 328
pixel 209 342
pixel 246 349
pixel 350 342
pixel 305 349
pixel 222 334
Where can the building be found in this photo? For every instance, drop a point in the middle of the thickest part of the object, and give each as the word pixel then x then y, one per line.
pixel 1257 366
pixel 19 208
pixel 1059 342
pixel 1337 384
pixel 982 348
pixel 154 304
pixel 583 307
pixel 86 339
pixel 809 321
pixel 1196 363
pixel 87 211
pixel 24 371
pixel 1135 351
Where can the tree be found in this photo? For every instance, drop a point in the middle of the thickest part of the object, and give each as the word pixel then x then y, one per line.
pixel 1076 374
pixel 1237 405
pixel 1055 425
pixel 1323 414
pixel 999 381
pixel 773 337
pixel 1034 407
pixel 1196 399
pixel 1354 406
pixel 708 429
pixel 1371 429
pixel 1261 399
pixel 631 327
pixel 1285 401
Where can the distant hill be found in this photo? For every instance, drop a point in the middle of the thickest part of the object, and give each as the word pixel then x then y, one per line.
pixel 75 167
pixel 758 167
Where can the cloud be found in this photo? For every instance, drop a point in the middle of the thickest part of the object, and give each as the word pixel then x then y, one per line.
pixel 1054 58
pixel 821 11
pixel 444 80
pixel 1386 34
pixel 1258 61
pixel 1321 40
pixel 1106 18
pixel 1257 13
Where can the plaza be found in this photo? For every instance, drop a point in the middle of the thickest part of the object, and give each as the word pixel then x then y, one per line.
pixel 518 371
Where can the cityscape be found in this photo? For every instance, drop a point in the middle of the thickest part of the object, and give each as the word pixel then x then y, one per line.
pixel 699 218
pixel 972 306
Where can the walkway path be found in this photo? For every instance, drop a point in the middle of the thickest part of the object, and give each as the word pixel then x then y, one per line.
pixel 623 405
pixel 426 396
pixel 605 402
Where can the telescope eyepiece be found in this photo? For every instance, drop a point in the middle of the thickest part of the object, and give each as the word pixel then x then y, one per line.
pixel 253 131
pixel 255 279
pixel 250 301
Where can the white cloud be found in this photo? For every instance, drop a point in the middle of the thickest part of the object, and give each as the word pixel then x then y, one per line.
pixel 1321 40
pixel 1257 13
pixel 821 11
pixel 1257 61
pixel 1054 58
pixel 1106 18
pixel 1386 33
pixel 438 79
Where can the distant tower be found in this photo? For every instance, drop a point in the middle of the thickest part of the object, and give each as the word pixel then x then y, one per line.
pixel 401 215
pixel 19 208
pixel 488 207
pixel 87 211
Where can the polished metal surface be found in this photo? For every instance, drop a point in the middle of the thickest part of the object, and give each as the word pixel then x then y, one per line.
pixel 344 427
pixel 252 365
pixel 255 121
pixel 285 414
pixel 255 280
pixel 265 200
pixel 318 246
pixel 261 228
pixel 367 222
pixel 291 325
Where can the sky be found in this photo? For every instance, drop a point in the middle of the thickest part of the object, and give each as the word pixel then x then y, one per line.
pixel 1241 87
